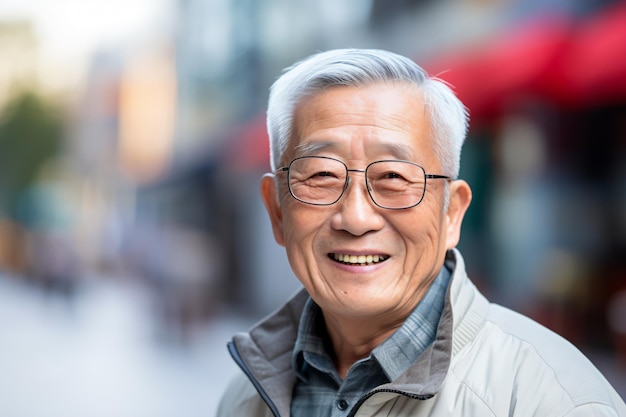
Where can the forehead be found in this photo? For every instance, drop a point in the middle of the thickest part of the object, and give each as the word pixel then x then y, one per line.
pixel 379 119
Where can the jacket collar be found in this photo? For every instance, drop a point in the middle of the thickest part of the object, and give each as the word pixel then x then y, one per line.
pixel 265 351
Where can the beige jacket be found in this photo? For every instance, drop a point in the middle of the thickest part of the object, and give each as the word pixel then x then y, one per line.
pixel 486 361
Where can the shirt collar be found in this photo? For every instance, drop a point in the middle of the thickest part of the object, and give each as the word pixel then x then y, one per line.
pixel 312 342
pixel 405 345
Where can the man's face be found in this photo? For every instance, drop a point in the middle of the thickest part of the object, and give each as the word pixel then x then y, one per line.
pixel 359 126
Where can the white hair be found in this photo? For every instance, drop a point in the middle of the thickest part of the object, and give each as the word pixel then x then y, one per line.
pixel 359 67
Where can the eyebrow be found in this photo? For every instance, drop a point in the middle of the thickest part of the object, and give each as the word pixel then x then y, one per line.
pixel 313 148
pixel 397 150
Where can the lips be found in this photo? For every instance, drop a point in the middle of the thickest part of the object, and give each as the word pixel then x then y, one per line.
pixel 363 260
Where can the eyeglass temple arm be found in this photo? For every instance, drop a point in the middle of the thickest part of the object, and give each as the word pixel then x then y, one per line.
pixel 437 176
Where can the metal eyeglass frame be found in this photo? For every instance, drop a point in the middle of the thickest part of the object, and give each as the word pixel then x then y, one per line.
pixel 364 171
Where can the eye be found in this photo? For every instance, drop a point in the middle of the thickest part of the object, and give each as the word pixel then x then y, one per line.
pixel 323 178
pixel 391 175
pixel 321 175
pixel 317 171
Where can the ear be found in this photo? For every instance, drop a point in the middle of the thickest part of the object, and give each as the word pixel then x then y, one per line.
pixel 270 198
pixel 460 199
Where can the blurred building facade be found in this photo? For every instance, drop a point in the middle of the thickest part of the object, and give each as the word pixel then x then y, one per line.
pixel 544 85
pixel 168 145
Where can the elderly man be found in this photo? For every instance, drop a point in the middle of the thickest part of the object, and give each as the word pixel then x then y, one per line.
pixel 364 196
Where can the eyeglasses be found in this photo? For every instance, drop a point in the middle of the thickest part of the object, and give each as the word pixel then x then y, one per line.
pixel 391 184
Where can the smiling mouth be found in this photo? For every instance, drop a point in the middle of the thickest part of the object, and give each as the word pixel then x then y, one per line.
pixel 358 259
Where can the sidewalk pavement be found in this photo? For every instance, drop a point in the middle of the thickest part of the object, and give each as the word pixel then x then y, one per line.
pixel 98 355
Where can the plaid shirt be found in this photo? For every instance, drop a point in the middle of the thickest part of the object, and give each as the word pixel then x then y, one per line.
pixel 319 391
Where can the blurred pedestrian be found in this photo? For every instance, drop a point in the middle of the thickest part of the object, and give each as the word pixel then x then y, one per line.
pixel 364 196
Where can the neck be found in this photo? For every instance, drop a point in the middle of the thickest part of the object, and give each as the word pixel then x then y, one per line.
pixel 354 338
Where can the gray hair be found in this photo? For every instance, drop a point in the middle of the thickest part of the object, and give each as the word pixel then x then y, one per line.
pixel 359 67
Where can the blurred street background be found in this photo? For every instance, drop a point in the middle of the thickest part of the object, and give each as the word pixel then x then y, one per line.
pixel 133 241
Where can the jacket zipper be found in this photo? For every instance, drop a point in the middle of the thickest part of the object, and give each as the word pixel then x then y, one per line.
pixel 232 349
pixel 370 394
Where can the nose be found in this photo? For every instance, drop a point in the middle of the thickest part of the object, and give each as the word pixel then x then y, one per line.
pixel 356 212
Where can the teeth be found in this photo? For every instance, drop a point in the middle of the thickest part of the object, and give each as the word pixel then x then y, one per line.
pixel 358 260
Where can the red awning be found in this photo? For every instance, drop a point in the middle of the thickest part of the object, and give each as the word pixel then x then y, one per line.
pixel 573 64
pixel 487 77
pixel 593 69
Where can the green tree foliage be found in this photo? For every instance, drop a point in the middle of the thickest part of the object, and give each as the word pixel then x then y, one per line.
pixel 31 132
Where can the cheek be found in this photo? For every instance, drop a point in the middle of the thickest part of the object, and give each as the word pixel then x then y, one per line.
pixel 422 232
pixel 302 228
pixel 301 223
